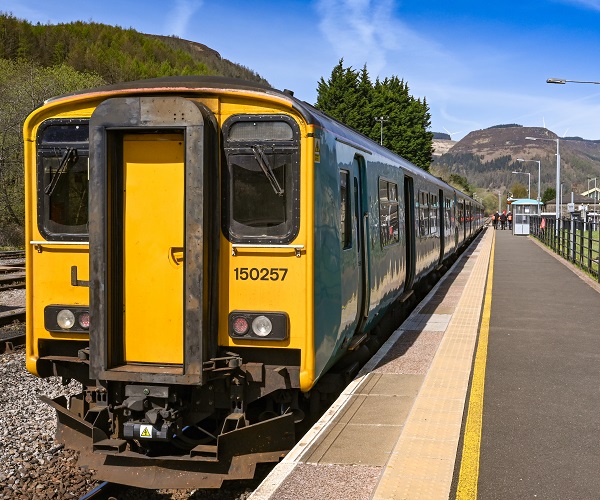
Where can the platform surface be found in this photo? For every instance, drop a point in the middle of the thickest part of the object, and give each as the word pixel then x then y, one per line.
pixel 489 390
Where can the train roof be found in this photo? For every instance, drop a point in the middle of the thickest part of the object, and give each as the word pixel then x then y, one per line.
pixel 196 83
pixel 313 116
pixel 190 82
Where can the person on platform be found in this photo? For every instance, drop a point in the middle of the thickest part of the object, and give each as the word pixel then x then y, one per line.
pixel 509 217
pixel 495 219
pixel 503 220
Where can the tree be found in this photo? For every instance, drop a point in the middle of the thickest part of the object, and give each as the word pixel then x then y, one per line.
pixel 518 190
pixel 350 97
pixel 460 182
pixel 490 203
pixel 23 86
pixel 549 194
pixel 338 97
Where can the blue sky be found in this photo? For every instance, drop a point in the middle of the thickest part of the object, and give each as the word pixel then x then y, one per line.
pixel 478 64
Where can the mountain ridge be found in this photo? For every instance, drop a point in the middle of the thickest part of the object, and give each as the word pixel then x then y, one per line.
pixel 487 158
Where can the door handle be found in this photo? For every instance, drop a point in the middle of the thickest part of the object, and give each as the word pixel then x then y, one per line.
pixel 176 255
pixel 75 281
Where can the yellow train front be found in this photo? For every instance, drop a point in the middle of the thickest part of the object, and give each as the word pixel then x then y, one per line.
pixel 200 253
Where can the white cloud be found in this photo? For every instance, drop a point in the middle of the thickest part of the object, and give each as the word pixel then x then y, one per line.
pixel 179 18
pixel 372 32
pixel 365 31
pixel 588 4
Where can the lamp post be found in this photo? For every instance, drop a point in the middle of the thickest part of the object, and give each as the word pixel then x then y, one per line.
pixel 381 119
pixel 558 200
pixel 528 182
pixel 539 174
pixel 595 191
pixel 562 81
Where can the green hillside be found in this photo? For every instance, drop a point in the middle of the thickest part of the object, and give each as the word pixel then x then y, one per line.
pixel 114 53
pixel 42 61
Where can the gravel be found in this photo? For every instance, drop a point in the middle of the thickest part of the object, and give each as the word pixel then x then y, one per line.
pixel 12 298
pixel 33 465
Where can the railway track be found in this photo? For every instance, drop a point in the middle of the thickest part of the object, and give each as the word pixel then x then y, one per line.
pixel 11 342
pixel 12 254
pixel 12 277
pixel 105 491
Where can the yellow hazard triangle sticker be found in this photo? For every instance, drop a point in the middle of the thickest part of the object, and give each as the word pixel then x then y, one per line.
pixel 146 431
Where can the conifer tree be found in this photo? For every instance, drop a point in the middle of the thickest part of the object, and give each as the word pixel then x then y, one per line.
pixel 350 97
pixel 339 95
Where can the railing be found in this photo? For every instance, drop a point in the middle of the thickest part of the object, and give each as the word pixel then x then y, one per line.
pixel 574 240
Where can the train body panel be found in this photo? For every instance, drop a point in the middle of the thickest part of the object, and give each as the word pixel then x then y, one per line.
pixel 241 245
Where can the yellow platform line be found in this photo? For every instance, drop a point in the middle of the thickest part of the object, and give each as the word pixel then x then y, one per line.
pixel 469 466
pixel 422 462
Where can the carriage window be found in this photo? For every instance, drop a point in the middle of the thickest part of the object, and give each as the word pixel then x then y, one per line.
pixel 423 214
pixel 447 215
pixel 261 182
pixel 345 211
pixel 388 212
pixel 63 158
pixel 433 215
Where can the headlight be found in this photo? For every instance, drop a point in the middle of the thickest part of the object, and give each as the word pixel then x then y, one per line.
pixel 62 318
pixel 65 319
pixel 262 326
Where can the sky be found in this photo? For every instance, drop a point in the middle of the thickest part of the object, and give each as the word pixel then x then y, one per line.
pixel 478 64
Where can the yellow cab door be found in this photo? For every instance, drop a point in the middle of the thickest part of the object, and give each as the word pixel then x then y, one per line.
pixel 152 234
pixel 153 246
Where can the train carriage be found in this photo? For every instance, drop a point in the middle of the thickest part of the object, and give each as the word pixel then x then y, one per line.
pixel 204 255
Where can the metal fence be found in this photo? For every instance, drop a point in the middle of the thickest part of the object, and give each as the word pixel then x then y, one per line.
pixel 574 240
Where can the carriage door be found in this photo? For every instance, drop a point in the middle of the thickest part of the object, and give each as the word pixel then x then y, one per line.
pixel 454 220
pixel 409 231
pixel 352 223
pixel 442 224
pixel 151 238
pixel 360 229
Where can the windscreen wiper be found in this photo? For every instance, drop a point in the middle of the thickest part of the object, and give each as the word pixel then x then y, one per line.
pixel 69 158
pixel 263 161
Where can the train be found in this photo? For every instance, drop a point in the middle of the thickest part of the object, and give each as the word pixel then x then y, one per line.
pixel 211 260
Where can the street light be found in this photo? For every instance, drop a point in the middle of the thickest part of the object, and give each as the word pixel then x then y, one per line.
pixel 528 182
pixel 381 119
pixel 558 200
pixel 562 81
pixel 539 174
pixel 595 191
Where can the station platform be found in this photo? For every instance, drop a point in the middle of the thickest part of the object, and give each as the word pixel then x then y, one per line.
pixel 490 390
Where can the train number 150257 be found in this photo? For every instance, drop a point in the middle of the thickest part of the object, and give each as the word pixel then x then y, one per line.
pixel 262 274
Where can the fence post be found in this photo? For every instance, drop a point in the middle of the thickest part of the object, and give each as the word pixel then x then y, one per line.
pixel 581 229
pixel 589 245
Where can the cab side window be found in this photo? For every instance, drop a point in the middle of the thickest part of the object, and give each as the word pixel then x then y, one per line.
pixel 261 183
pixel 63 180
